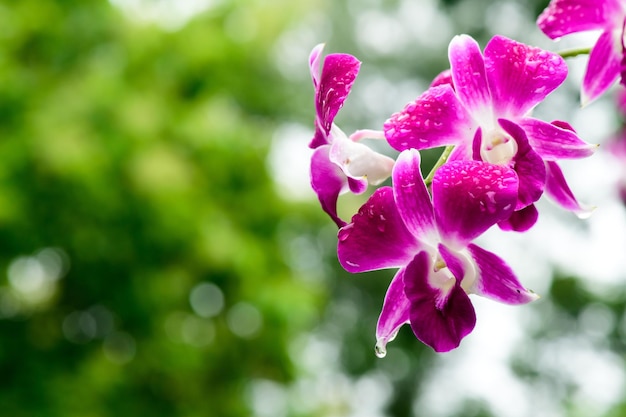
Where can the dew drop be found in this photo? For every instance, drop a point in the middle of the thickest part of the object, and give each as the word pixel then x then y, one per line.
pixel 344 232
pixel 380 349
pixel 381 227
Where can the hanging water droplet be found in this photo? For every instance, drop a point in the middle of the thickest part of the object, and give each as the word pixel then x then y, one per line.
pixel 380 349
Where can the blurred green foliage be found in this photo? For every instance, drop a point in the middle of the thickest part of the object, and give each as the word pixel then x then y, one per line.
pixel 136 157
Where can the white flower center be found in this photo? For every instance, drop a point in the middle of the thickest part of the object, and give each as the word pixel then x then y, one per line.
pixel 442 278
pixel 498 147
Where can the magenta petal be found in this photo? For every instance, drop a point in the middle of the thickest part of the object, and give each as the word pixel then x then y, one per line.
pixel 328 181
pixel 439 318
pixel 521 220
pixel 357 185
pixel 552 142
pixel 471 196
pixel 394 314
pixel 444 77
pixel 461 152
pixel 558 190
pixel 468 74
pixel 452 262
pixel 496 280
pixel 603 67
pixel 411 195
pixel 338 74
pixel 436 118
pixel 563 17
pixel 377 237
pixel 529 167
pixel 520 76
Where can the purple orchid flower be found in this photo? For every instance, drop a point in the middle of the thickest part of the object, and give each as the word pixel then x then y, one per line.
pixel 430 241
pixel 482 107
pixel 339 163
pixel 607 59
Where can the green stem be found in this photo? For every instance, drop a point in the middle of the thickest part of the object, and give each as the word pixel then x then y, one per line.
pixel 442 160
pixel 569 53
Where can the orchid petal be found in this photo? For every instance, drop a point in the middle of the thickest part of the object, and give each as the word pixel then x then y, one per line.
pixel 520 76
pixel 377 237
pixel 328 181
pixel 394 314
pixel 436 118
pixel 444 77
pixel 471 196
pixel 496 280
pixel 468 75
pixel 452 262
pixel 439 318
pixel 529 166
pixel 411 195
pixel 338 74
pixel 314 64
pixel 476 145
pixel 520 220
pixel 357 160
pixel 554 142
pixel 563 17
pixel 357 185
pixel 461 152
pixel 603 67
pixel 558 190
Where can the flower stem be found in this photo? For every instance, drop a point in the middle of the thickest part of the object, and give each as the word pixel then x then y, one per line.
pixel 442 160
pixel 569 53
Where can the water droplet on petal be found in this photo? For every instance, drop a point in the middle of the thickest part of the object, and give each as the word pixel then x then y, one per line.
pixel 380 349
pixel 344 233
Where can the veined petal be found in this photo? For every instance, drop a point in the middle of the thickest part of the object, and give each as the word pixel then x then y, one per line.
pixel 328 181
pixel 520 76
pixel 603 67
pixel 558 190
pixel 358 160
pixel 440 318
pixel 563 17
pixel 394 314
pixel 529 166
pixel 377 237
pixel 411 195
pixel 468 74
pixel 338 74
pixel 471 196
pixel 436 118
pixel 520 220
pixel 462 151
pixel 553 142
pixel 496 280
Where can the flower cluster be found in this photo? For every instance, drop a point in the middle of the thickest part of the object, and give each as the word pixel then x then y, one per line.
pixel 498 161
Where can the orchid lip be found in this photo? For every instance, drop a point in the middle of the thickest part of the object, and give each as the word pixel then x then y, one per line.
pixel 498 147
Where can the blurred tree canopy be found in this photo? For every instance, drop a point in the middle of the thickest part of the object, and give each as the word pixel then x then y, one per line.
pixel 133 171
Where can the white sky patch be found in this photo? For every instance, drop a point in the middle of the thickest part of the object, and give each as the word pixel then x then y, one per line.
pixel 289 161
pixel 396 32
pixel 169 14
